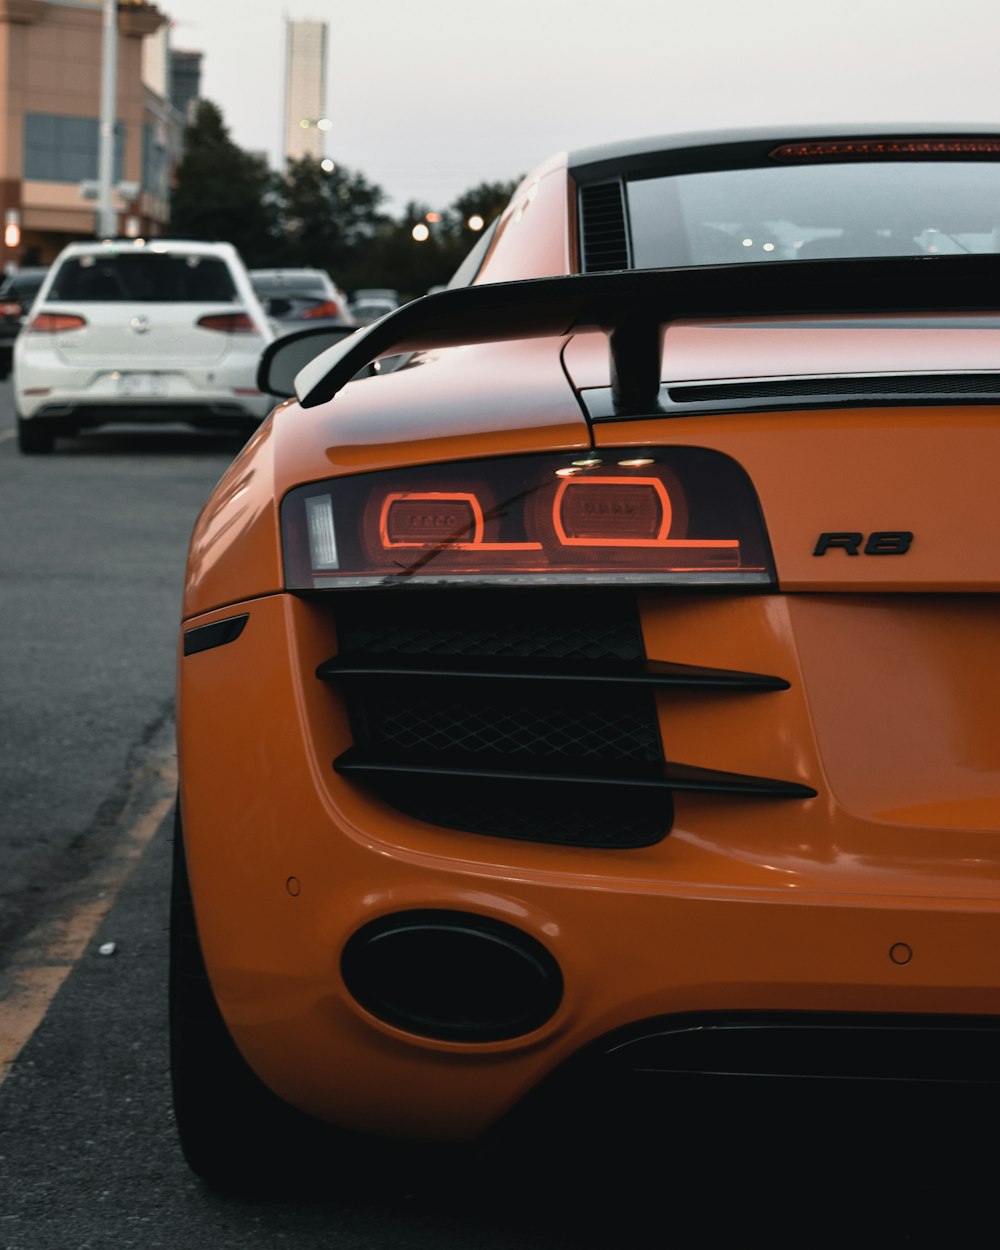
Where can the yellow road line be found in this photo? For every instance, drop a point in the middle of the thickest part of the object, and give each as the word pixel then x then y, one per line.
pixel 48 953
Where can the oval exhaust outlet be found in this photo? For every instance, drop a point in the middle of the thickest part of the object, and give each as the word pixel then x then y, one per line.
pixel 451 975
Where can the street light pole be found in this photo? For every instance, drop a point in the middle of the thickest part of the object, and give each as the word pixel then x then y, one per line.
pixel 107 218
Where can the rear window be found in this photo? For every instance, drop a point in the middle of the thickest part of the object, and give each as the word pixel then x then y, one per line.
pixel 22 285
pixel 306 285
pixel 811 212
pixel 149 277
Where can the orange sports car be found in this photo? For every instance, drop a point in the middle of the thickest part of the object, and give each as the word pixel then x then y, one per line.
pixel 594 666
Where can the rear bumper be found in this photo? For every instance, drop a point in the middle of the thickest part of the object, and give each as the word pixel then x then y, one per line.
pixel 47 386
pixel 752 910
pixel 69 417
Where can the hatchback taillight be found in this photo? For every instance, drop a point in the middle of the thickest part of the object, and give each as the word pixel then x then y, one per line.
pixel 328 308
pixel 228 323
pixel 11 309
pixel 55 323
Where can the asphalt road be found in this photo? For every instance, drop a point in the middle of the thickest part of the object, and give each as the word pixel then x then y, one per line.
pixel 92 545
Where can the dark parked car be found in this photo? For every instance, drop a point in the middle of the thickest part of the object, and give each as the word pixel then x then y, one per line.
pixel 296 299
pixel 370 303
pixel 17 293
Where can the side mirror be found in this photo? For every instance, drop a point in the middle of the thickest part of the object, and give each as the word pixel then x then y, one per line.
pixel 283 359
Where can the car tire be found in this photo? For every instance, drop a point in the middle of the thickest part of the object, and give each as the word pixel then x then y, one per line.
pixel 234 1133
pixel 34 438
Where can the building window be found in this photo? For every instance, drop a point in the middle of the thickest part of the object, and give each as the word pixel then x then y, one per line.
pixel 64 149
pixel 155 163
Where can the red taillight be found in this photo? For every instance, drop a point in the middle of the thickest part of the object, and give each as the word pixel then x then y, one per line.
pixel 228 323
pixel 431 517
pixel 55 323
pixel 329 308
pixel 676 516
pixel 887 149
pixel 13 309
pixel 611 511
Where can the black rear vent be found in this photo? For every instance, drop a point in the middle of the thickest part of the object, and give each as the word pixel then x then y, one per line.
pixel 537 811
pixel 603 229
pixel 509 720
pixel 479 750
pixel 905 386
pixel 526 714
pixel 468 624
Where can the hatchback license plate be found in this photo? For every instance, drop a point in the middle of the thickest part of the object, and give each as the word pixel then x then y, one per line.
pixel 140 384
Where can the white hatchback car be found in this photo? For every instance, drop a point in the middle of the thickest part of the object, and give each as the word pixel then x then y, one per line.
pixel 128 331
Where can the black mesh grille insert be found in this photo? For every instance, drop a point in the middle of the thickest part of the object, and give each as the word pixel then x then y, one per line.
pixel 956 385
pixel 541 727
pixel 603 232
pixel 480 633
pixel 538 812
pixel 609 725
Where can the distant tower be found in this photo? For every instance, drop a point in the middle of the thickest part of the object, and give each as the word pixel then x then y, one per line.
pixel 185 81
pixel 305 90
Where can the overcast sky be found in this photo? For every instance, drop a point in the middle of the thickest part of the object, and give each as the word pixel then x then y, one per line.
pixel 430 97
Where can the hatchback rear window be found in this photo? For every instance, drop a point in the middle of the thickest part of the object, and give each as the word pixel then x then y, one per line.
pixel 152 277
pixel 284 286
pixel 21 286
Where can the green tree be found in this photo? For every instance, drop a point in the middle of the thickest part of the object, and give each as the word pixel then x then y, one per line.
pixel 329 219
pixel 398 260
pixel 221 192
pixel 487 200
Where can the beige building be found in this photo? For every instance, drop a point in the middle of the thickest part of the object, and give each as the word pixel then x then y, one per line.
pixel 50 89
pixel 305 90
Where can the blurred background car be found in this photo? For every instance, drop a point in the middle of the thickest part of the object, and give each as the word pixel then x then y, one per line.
pixel 295 299
pixel 370 303
pixel 364 293
pixel 17 294
pixel 126 331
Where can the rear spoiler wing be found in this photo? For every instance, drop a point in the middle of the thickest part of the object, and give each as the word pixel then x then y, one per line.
pixel 632 306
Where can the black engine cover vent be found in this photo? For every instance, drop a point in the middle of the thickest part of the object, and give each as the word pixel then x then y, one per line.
pixel 604 241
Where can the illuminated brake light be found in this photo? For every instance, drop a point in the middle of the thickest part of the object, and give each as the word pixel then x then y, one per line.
pixel 327 309
pixel 427 519
pixel 611 511
pixel 679 516
pixel 228 323
pixel 882 149
pixel 55 323
pixel 439 520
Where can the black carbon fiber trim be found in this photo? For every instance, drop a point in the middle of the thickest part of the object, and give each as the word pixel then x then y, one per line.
pixel 654 673
pixel 669 776
pixel 218 634
pixel 937 385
